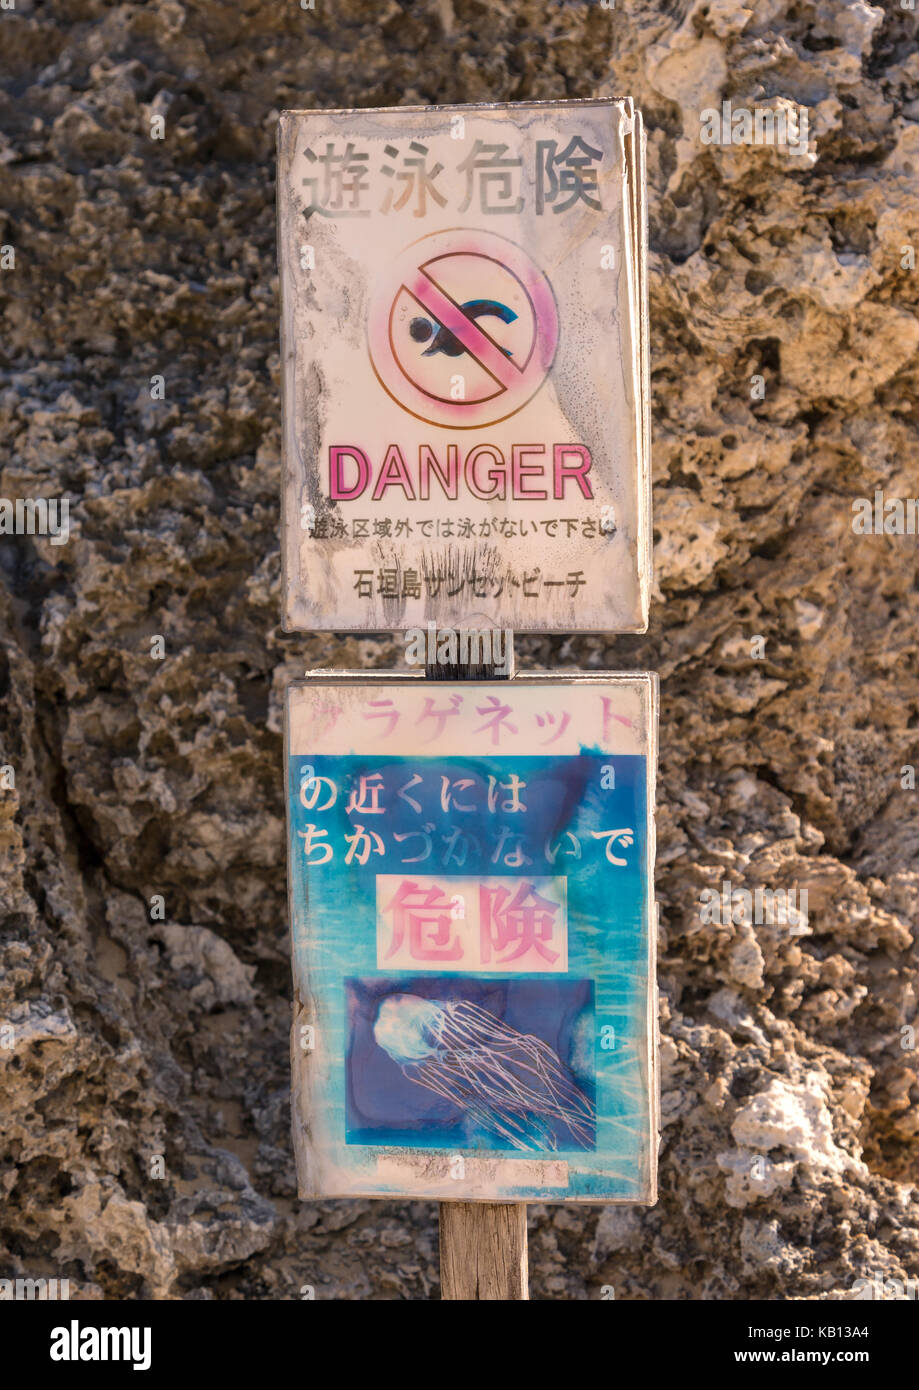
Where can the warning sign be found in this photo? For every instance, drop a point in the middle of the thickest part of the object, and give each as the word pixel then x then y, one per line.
pixel 473 934
pixel 464 368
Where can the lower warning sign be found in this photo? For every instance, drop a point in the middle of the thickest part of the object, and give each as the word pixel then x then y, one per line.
pixel 471 893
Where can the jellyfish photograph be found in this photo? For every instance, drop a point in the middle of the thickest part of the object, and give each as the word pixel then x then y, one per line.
pixel 500 1084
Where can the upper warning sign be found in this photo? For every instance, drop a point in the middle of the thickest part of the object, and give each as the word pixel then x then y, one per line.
pixel 464 360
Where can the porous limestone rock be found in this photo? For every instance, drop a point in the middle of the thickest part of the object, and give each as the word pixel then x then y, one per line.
pixel 144 1084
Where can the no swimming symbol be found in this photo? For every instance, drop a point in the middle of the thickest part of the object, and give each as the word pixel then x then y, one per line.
pixel 463 330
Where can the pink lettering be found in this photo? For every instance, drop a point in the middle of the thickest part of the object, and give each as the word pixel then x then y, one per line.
pixel 338 492
pixel 428 463
pixel 393 474
pixel 520 470
pixel 496 473
pixel 577 471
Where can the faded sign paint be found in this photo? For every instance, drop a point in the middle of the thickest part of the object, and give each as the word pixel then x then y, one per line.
pixel 463 333
pixel 470 878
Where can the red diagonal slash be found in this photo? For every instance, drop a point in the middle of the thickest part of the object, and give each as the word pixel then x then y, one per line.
pixel 478 344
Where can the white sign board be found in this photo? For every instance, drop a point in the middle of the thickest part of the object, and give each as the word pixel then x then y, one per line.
pixel 464 368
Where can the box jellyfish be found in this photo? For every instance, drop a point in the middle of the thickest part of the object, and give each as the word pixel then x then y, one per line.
pixel 508 1083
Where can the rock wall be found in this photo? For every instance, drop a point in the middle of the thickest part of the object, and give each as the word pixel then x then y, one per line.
pixel 785 383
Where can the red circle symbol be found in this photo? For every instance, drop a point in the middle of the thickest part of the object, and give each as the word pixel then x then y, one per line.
pixel 463 329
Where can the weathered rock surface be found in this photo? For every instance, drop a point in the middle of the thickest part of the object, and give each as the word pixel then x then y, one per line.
pixel 158 1045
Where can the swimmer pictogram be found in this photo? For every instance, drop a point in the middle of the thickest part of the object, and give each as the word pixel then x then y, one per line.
pixel 463 330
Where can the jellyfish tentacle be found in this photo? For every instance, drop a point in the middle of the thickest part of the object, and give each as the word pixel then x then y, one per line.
pixel 509 1083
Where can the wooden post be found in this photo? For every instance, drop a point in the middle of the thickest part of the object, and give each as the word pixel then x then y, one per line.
pixel 483 1250
pixel 483 1245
